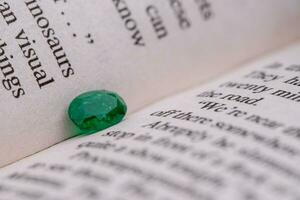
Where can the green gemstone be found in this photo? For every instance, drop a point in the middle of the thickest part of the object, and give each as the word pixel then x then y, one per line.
pixel 96 110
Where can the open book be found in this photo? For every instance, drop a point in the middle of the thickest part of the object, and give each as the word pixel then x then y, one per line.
pixel 186 137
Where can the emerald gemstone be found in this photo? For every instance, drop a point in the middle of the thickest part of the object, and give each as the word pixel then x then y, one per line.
pixel 96 110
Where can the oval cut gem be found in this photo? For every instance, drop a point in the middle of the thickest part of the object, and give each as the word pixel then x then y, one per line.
pixel 96 110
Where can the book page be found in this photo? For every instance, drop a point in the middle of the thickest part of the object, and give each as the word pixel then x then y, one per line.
pixel 53 50
pixel 234 139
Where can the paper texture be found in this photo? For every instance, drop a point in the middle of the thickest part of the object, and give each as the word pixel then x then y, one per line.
pixel 234 139
pixel 53 50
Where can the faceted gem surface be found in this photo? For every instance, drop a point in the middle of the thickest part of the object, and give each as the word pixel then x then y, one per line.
pixel 96 110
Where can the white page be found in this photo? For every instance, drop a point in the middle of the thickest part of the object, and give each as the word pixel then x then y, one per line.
pixel 102 55
pixel 234 139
